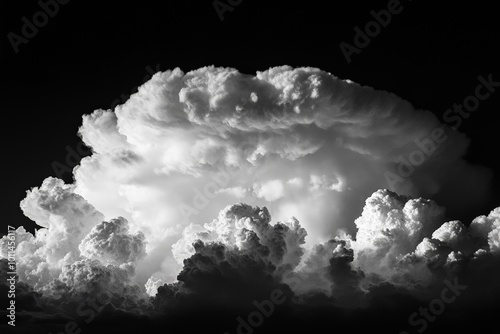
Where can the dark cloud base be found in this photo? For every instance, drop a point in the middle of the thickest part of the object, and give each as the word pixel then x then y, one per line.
pixel 202 302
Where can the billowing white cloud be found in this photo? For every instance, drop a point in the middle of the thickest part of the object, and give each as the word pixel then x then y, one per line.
pixel 487 228
pixel 111 243
pixel 390 227
pixel 244 227
pixel 192 143
pixel 65 218
pixel 299 144
pixel 454 234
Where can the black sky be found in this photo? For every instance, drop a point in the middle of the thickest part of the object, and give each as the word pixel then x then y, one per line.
pixel 92 52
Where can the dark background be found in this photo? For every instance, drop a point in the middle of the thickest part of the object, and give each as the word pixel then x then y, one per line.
pixel 92 52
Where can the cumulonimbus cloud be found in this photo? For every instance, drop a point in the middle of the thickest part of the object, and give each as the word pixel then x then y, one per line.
pixel 155 202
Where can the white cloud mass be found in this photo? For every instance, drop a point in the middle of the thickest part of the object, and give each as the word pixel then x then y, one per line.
pixel 157 196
